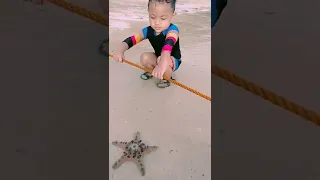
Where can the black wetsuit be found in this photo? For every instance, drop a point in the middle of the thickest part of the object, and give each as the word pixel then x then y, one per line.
pixel 157 42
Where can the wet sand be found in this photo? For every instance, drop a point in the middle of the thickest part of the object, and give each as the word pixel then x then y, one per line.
pixel 274 44
pixel 174 119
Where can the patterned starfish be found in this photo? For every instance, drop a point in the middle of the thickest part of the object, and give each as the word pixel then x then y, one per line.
pixel 133 151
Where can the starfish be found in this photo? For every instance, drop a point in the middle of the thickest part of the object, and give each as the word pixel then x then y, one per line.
pixel 133 151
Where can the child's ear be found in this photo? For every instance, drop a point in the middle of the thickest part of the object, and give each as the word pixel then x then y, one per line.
pixel 174 13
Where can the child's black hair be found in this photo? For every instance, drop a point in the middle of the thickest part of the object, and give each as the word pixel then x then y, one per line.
pixel 172 3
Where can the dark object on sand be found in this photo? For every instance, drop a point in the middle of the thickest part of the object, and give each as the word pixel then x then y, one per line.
pixel 217 8
pixel 104 48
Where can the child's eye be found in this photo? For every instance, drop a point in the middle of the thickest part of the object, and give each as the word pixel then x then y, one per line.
pixel 163 18
pixel 152 17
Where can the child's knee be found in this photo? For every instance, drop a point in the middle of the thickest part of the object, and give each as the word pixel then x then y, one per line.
pixel 170 64
pixel 144 58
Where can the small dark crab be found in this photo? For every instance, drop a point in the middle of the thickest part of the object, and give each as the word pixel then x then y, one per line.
pixel 133 151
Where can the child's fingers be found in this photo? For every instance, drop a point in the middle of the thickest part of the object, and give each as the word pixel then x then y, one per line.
pixel 153 73
pixel 117 58
pixel 159 75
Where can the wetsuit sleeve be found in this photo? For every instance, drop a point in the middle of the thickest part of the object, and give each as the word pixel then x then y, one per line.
pixel 171 38
pixel 137 37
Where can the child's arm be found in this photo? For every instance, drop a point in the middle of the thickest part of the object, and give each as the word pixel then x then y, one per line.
pixel 171 39
pixel 133 40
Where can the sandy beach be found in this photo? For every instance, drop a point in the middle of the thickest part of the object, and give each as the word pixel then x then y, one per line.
pixel 174 119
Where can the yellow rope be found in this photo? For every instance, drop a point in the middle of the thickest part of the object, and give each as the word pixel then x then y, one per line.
pixel 234 79
pixel 80 11
pixel 169 79
pixel 267 95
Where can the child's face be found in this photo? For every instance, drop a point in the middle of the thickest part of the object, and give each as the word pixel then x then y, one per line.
pixel 160 16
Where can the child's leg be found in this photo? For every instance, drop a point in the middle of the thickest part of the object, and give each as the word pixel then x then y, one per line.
pixel 169 69
pixel 149 61
pixel 173 66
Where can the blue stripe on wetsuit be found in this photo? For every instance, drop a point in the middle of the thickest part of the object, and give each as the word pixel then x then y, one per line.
pixel 145 32
pixel 172 27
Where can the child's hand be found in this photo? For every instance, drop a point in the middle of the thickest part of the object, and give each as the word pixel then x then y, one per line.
pixel 161 68
pixel 158 71
pixel 118 57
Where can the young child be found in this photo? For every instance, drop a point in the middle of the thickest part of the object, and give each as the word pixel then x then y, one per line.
pixel 163 37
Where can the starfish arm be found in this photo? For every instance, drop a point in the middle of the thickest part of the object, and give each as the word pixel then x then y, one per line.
pixel 119 162
pixel 149 149
pixel 137 136
pixel 120 144
pixel 140 166
pixel 152 147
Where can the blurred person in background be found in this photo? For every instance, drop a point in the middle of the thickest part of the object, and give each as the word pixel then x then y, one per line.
pixel 217 8
pixel 103 48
